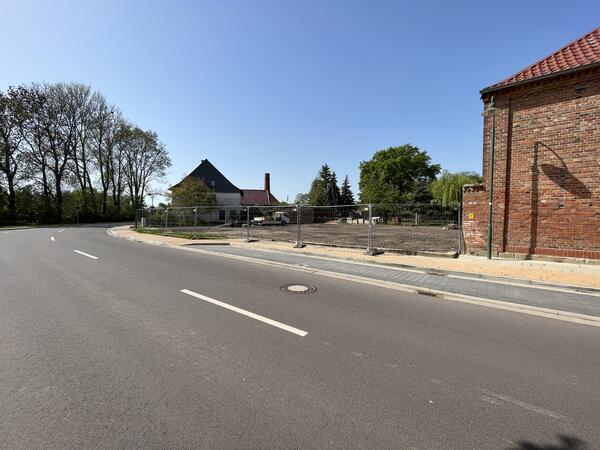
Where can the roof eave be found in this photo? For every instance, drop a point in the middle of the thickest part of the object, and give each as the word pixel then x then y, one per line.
pixel 490 89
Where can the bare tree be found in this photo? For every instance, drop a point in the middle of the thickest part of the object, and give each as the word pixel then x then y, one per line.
pixel 105 133
pixel 146 160
pixel 10 145
pixel 54 136
pixel 35 149
pixel 122 139
pixel 56 145
pixel 82 108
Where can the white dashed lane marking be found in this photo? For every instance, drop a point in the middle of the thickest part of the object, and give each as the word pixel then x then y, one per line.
pixel 86 254
pixel 246 313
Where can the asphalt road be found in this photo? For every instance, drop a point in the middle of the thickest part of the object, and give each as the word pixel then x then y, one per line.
pixel 109 353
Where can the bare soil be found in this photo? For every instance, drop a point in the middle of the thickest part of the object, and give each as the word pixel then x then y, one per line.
pixel 387 237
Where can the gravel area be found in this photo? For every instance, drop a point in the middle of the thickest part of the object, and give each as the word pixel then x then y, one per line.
pixel 387 237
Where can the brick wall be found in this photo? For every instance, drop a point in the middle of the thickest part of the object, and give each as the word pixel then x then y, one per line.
pixel 547 169
pixel 474 220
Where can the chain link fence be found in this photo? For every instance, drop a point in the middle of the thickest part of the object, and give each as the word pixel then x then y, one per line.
pixel 407 228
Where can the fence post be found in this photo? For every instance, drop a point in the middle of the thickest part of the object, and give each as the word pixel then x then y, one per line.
pixel 370 250
pixel 149 217
pixel 370 231
pixel 166 220
pixel 460 228
pixel 299 243
pixel 195 223
pixel 248 224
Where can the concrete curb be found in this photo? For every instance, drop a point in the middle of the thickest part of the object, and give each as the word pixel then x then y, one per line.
pixel 191 244
pixel 111 232
pixel 451 255
pixel 444 295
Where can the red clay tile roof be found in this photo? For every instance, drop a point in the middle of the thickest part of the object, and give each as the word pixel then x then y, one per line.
pixel 257 197
pixel 579 53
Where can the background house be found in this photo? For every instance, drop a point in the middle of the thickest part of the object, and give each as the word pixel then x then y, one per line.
pixel 547 158
pixel 227 193
pixel 259 197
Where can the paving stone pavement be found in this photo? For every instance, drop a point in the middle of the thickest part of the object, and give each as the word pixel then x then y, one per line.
pixel 581 301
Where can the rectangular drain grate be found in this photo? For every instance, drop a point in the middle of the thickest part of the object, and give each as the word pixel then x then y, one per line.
pixel 428 293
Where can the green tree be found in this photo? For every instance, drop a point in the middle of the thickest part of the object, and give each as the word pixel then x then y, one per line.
pixel 324 188
pixel 448 188
pixel 325 173
pixel 421 192
pixel 346 195
pixel 333 191
pixel 192 192
pixel 392 175
pixel 318 193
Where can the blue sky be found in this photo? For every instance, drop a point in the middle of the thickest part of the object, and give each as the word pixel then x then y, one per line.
pixel 285 86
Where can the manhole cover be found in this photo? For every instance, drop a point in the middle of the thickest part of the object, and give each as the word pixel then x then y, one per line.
pixel 298 288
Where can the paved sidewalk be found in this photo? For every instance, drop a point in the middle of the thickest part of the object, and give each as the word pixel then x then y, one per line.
pixel 586 275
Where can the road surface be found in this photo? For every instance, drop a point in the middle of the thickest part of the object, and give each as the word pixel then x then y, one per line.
pixel 107 343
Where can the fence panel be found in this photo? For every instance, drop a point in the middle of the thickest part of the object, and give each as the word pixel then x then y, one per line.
pixel 418 227
pixel 274 223
pixel 340 226
pixel 200 221
pixel 409 228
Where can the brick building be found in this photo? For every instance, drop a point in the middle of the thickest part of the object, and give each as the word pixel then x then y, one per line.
pixel 547 159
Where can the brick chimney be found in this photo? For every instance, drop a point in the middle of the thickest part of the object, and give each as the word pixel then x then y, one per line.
pixel 268 182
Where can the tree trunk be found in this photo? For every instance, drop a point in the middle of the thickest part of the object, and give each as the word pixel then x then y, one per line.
pixel 12 201
pixel 46 195
pixel 58 201
pixel 104 201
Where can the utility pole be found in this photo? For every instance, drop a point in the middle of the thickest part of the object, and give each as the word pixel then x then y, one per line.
pixel 491 109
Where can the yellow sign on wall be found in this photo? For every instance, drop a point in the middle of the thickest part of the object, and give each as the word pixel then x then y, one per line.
pixel 471 215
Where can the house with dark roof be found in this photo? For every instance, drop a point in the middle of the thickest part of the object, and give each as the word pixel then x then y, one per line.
pixel 544 123
pixel 227 193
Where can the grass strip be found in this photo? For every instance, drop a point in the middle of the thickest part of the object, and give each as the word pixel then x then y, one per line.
pixel 179 234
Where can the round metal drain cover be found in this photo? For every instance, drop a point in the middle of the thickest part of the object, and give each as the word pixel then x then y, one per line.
pixel 298 288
